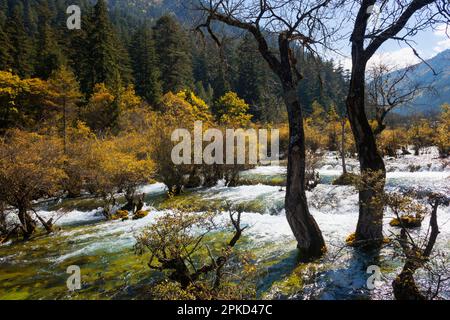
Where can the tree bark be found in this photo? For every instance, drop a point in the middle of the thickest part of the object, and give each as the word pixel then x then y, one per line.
pixel 369 227
pixel 370 223
pixel 309 237
pixel 344 166
pixel 48 225
pixel 404 285
pixel 28 224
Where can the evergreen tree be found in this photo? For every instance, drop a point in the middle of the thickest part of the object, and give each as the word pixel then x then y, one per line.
pixel 3 11
pixel 206 94
pixel 30 16
pixel 104 58
pixel 6 60
pixel 49 54
pixel 174 54
pixel 219 75
pixel 250 81
pixel 22 47
pixel 145 65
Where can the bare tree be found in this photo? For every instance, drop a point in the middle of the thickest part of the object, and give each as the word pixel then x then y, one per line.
pixel 417 253
pixel 294 24
pixel 174 248
pixel 390 88
pixel 399 20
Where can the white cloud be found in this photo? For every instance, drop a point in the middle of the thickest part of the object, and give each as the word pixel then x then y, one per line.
pixel 396 59
pixel 346 63
pixel 442 45
pixel 442 30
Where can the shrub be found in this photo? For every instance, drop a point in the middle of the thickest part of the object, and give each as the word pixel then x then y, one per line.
pixel 140 214
pixel 346 179
pixel 407 221
pixel 192 267
pixel 31 167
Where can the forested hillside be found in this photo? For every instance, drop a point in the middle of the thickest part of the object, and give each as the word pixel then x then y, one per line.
pixel 118 47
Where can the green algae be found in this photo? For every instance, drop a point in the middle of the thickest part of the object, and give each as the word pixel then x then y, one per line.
pixel 187 201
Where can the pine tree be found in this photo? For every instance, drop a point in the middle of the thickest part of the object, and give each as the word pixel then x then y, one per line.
pixel 250 81
pixel 206 95
pixel 145 65
pixel 30 16
pixel 49 54
pixel 6 60
pixel 104 57
pixel 219 76
pixel 3 11
pixel 22 47
pixel 172 48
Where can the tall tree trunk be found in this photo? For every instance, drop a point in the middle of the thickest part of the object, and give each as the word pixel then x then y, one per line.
pixel 65 125
pixel 370 223
pixel 28 224
pixel 344 166
pixel 48 225
pixel 309 237
pixel 404 285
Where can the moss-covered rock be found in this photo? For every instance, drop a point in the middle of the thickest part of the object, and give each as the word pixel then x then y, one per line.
pixel 407 221
pixel 250 206
pixel 277 181
pixel 293 283
pixel 140 214
pixel 188 202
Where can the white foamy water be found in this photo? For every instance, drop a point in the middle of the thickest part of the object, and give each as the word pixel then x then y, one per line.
pixel 335 209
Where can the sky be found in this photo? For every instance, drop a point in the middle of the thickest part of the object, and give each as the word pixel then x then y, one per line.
pixel 428 44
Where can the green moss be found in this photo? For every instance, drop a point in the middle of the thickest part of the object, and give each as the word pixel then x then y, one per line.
pixel 256 206
pixel 81 204
pixel 188 202
pixel 16 295
pixel 278 181
pixel 294 282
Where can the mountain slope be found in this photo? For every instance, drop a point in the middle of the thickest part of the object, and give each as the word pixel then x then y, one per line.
pixel 430 102
pixel 154 8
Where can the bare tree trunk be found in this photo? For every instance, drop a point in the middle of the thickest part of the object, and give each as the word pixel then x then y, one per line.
pixel 27 223
pixel 344 166
pixel 404 285
pixel 48 225
pixel 370 223
pixel 65 125
pixel 309 237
